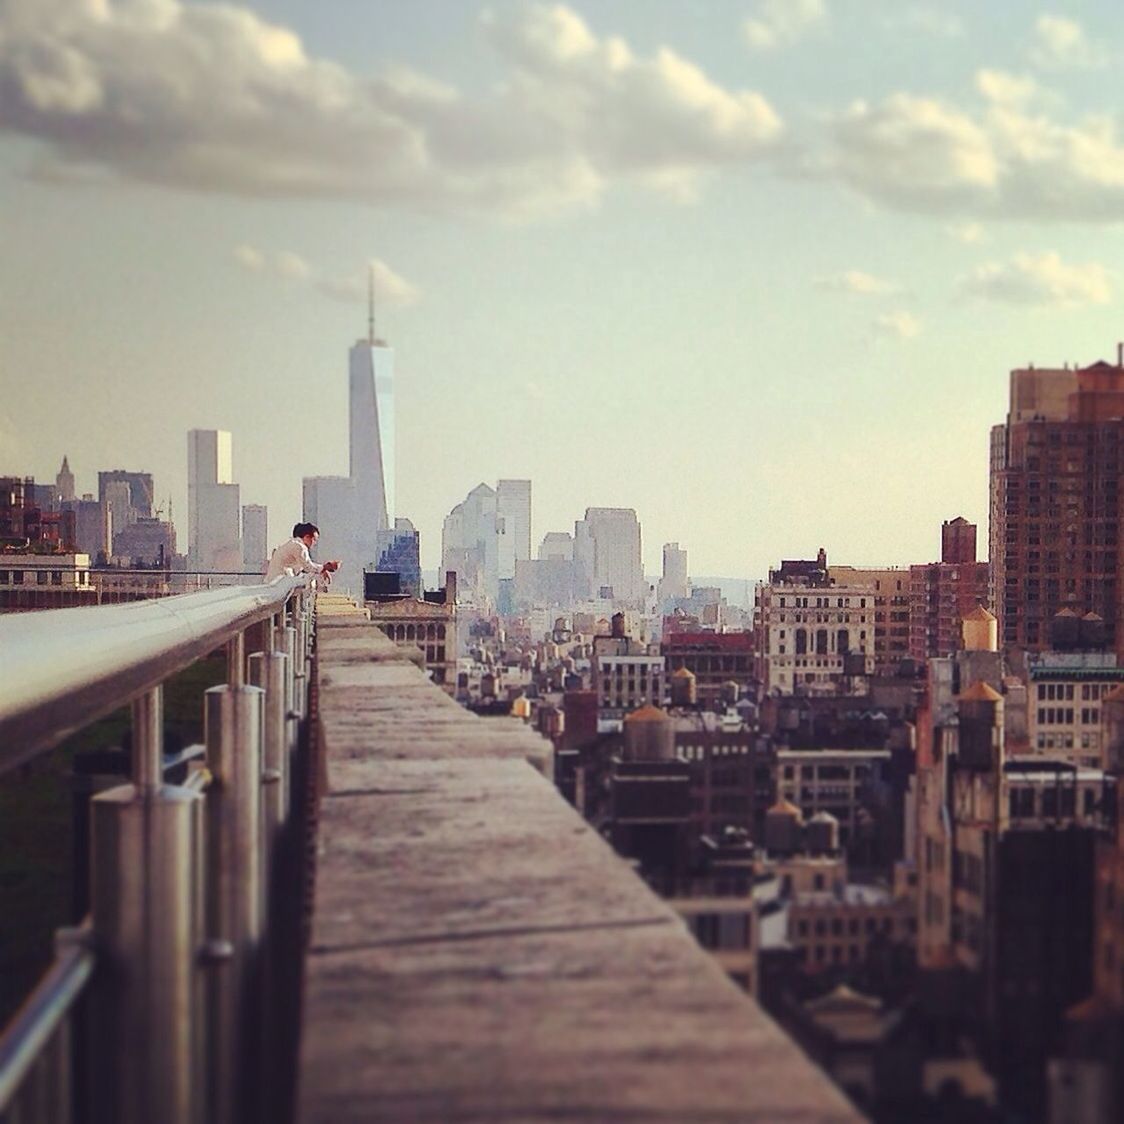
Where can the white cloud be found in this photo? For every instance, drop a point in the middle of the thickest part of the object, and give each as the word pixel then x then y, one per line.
pixel 1006 89
pixel 390 287
pixel 897 325
pixel 914 152
pixel 859 283
pixel 1040 279
pixel 1061 43
pixel 776 23
pixel 969 233
pixel 211 97
pixel 1003 161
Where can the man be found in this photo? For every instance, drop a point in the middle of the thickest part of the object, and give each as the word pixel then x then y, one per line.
pixel 293 557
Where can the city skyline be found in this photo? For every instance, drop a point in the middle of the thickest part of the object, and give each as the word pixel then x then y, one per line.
pixel 760 276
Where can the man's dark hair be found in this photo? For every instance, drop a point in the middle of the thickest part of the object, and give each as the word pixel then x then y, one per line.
pixel 302 529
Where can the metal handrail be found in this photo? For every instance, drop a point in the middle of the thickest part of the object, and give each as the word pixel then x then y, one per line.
pixel 43 1012
pixel 60 671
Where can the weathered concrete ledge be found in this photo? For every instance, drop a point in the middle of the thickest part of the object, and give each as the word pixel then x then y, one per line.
pixel 479 954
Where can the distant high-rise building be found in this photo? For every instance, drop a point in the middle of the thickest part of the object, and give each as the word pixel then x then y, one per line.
pixel 1055 534
pixel 674 580
pixel 329 502
pixel 148 543
pixel 353 511
pixel 91 525
pixel 400 553
pixel 470 544
pixel 64 482
pixel 618 571
pixel 255 537
pixel 213 516
pixel 122 514
pixel 371 430
pixel 138 495
pixel 557 544
pixel 513 524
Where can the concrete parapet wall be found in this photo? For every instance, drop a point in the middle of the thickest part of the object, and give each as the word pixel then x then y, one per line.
pixel 478 953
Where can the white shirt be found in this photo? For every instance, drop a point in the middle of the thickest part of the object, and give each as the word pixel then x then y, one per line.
pixel 291 558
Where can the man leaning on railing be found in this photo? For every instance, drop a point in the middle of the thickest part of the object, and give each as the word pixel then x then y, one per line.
pixel 293 557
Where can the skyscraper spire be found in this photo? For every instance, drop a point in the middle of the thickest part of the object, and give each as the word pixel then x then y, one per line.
pixel 371 303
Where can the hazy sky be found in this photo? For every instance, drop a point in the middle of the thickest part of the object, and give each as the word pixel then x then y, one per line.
pixel 758 269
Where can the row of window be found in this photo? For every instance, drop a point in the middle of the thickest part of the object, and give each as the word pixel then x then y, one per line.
pixel 853 925
pixel 1090 692
pixel 725 749
pixel 1064 715
pixel 1049 803
pixel 824 602
pixel 1065 740
pixel 827 772
pixel 42 577
pixel 414 632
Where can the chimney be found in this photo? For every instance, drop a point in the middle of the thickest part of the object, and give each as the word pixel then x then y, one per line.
pixel 450 587
pixel 1120 354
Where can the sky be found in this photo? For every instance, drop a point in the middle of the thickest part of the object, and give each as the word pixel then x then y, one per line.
pixel 757 269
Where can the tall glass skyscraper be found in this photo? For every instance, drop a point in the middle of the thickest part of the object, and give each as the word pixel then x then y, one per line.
pixel 371 403
pixel 371 460
pixel 353 511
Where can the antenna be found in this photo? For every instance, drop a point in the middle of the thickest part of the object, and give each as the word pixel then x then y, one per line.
pixel 371 303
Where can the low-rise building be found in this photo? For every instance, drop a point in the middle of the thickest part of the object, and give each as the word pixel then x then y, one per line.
pixel 714 658
pixel 830 780
pixel 812 635
pixel 429 624
pixel 835 928
pixel 1064 704
pixel 45 581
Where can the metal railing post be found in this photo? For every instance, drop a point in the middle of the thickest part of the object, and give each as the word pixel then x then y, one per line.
pixel 235 896
pixel 270 672
pixel 147 932
pixel 290 645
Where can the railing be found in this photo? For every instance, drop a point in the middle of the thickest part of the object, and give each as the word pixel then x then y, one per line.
pixel 176 969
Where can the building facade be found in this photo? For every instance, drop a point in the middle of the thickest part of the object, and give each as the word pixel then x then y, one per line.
pixel 890 589
pixel 836 781
pixel 513 525
pixel 1055 539
pixel 673 582
pixel 213 507
pixel 607 542
pixel 811 634
pixel 1065 690
pixel 255 537
pixel 713 658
